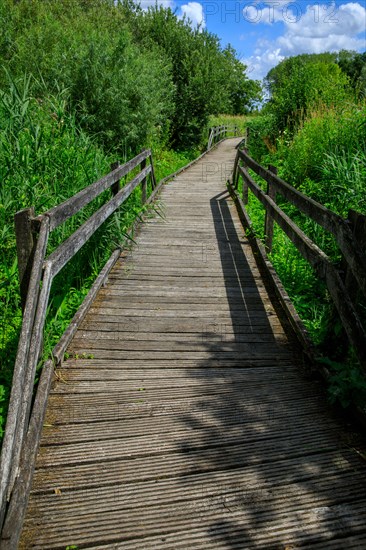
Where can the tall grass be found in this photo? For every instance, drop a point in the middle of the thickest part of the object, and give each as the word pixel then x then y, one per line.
pixel 46 158
pixel 326 160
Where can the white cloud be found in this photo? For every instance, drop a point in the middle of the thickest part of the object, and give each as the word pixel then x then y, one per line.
pixel 145 4
pixel 324 27
pixel 194 13
pixel 314 28
pixel 259 64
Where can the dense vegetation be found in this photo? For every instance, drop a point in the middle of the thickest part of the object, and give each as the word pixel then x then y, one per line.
pixel 313 128
pixel 81 84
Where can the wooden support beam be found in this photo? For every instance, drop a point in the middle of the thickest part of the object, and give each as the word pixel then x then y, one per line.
pixel 25 242
pixel 268 224
pixel 117 185
pixel 143 183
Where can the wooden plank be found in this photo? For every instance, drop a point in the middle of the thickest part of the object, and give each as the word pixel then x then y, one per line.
pixel 283 520
pixel 197 461
pixel 26 245
pixel 15 515
pixel 80 410
pixel 289 309
pixel 324 269
pixel 303 436
pixel 12 434
pixel 268 223
pixel 35 350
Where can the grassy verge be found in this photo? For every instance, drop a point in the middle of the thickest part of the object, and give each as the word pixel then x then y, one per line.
pixel 326 160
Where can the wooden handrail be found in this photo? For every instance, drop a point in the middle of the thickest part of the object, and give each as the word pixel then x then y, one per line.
pixel 321 263
pixel 37 292
pixel 62 212
pixel 220 132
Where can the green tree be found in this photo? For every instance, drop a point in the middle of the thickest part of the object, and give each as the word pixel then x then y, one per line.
pixel 303 82
pixel 353 64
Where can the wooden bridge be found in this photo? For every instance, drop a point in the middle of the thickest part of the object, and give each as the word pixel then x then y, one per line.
pixel 183 417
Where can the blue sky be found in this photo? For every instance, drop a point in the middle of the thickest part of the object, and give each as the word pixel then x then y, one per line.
pixel 265 32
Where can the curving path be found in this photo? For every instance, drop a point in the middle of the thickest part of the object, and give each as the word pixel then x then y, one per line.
pixel 181 418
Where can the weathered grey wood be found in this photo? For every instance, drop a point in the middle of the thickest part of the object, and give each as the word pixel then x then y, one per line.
pixel 116 187
pixel 358 228
pixel 15 516
pixel 220 132
pixel 155 444
pixel 13 436
pixel 348 314
pixel 143 183
pixel 289 309
pixel 247 137
pixel 323 267
pixel 68 248
pixel 330 221
pixel 59 214
pixel 153 179
pixel 35 349
pixel 245 190
pixel 268 223
pixel 25 243
pixel 319 213
pixel 309 250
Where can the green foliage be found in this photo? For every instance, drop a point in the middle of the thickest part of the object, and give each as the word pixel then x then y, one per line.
pixel 313 131
pixel 134 77
pixel 328 139
pixel 231 120
pixel 120 92
pixel 44 158
pixel 303 82
pixel 346 383
pixel 207 80
pixel 261 128
pixel 353 64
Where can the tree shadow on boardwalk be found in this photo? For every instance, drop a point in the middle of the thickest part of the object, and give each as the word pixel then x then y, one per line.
pixel 270 467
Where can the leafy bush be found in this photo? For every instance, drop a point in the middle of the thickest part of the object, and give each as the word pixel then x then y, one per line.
pixel 325 134
pixel 313 131
pixel 134 77
pixel 301 83
pixel 44 159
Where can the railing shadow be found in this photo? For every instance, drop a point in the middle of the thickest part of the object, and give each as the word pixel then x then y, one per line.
pixel 263 444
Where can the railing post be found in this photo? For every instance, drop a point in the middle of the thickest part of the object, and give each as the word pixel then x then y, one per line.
pixel 117 185
pixel 358 228
pixel 268 223
pixel 235 172
pixel 153 178
pixel 26 243
pixel 143 184
pixel 210 137
pixel 247 137
pixel 245 186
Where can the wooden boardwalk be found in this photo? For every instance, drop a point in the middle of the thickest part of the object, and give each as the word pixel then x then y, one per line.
pixel 181 419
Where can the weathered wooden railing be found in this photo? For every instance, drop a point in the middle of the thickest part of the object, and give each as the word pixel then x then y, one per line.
pixel 25 417
pixel 217 133
pixel 342 229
